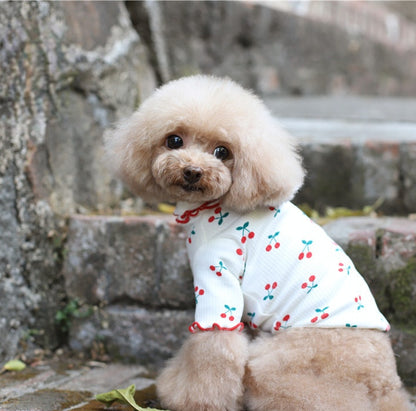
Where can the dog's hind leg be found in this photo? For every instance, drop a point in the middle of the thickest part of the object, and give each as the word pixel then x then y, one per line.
pixel 322 369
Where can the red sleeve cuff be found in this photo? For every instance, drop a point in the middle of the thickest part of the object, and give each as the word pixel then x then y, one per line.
pixel 195 326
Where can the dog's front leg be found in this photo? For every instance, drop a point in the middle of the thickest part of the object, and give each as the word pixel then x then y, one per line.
pixel 206 374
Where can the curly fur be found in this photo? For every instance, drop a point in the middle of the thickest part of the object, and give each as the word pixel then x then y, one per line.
pixel 264 169
pixel 299 369
pixel 323 369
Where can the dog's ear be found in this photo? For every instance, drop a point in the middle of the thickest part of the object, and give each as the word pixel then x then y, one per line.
pixel 267 167
pixel 129 154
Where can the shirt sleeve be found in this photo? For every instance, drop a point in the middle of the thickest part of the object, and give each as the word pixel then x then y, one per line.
pixel 218 295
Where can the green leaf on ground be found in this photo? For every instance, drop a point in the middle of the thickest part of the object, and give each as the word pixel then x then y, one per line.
pixel 125 396
pixel 14 365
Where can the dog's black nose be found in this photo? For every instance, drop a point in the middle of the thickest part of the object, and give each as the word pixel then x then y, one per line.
pixel 192 174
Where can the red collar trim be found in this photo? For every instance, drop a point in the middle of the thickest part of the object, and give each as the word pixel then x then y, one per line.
pixel 188 214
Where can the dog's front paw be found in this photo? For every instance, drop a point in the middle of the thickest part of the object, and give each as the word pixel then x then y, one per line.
pixel 207 373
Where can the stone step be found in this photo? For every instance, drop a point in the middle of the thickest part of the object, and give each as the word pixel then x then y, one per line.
pixel 59 385
pixel 64 384
pixel 131 278
pixel 285 47
pixel 356 150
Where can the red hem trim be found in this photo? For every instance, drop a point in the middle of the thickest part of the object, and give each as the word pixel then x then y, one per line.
pixel 188 214
pixel 194 327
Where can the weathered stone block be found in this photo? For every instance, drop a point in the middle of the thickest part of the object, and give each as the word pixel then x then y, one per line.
pixel 379 166
pixel 355 175
pixel 67 70
pixel 132 259
pixel 330 178
pixel 133 333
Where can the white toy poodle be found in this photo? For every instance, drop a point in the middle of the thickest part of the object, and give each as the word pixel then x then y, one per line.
pixel 258 262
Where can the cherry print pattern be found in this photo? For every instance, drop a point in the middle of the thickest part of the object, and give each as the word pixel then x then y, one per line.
pixel 251 322
pixel 198 293
pixel 322 313
pixel 341 268
pixel 358 302
pixel 229 311
pixel 276 211
pixel 218 268
pixel 272 239
pixel 306 252
pixel 255 242
pixel 244 230
pixel 192 232
pixel 245 234
pixel 310 286
pixel 279 325
pixel 219 218
pixel 269 288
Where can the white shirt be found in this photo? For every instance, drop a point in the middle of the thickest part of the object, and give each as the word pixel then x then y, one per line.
pixel 272 268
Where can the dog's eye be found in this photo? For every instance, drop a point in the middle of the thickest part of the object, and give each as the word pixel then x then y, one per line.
pixel 174 142
pixel 221 153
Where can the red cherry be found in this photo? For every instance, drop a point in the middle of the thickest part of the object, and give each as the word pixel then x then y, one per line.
pixel 212 268
pixel 268 248
pixel 219 273
pixel 267 287
pixel 251 235
pixel 217 210
pixel 274 285
pixel 243 239
pixel 196 288
pixel 324 315
pixel 301 255
pixel 314 320
pixel 189 240
pixel 277 325
pixel 277 245
pixel 304 285
pixel 309 254
pixel 201 292
pixel 286 317
pixel 223 315
pixel 312 278
pixel 356 299
pixel 211 219
pixel 239 251
pixel 231 318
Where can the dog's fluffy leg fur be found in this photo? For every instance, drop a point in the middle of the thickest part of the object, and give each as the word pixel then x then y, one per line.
pixel 206 374
pixel 337 369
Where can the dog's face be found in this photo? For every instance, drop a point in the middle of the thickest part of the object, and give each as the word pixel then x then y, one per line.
pixel 200 139
pixel 193 168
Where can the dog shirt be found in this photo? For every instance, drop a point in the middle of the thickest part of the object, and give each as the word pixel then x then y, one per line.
pixel 273 268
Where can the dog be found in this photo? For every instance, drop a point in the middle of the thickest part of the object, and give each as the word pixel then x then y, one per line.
pixel 319 341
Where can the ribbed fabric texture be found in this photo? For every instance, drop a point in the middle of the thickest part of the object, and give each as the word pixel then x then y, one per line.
pixel 272 269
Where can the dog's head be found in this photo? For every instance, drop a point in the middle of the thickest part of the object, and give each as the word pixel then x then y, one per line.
pixel 202 138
